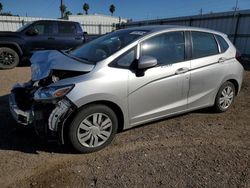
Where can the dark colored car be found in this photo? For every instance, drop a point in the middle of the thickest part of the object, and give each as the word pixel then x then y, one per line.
pixel 38 35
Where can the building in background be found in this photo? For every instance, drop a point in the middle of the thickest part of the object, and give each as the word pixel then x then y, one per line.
pixel 97 23
pixel 12 23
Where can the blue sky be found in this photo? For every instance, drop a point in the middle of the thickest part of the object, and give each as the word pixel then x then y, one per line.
pixel 137 10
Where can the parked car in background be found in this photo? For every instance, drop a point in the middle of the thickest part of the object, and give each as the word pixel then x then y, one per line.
pixel 38 35
pixel 124 79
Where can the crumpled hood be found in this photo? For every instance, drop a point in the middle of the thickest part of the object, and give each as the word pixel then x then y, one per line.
pixel 43 62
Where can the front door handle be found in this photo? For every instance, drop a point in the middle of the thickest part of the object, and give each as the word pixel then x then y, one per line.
pixel 182 70
pixel 51 38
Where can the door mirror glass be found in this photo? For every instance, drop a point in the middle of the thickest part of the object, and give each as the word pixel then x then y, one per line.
pixel 146 62
pixel 32 32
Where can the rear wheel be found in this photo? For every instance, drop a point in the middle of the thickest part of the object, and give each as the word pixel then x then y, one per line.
pixel 8 58
pixel 93 128
pixel 225 97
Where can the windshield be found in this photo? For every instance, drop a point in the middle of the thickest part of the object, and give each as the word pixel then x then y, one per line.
pixel 106 45
pixel 24 27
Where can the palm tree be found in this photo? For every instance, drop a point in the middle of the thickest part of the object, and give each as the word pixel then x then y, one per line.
pixel 112 9
pixel 85 7
pixel 1 7
pixel 67 13
pixel 62 9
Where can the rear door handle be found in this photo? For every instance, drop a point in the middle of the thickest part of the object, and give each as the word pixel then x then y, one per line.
pixel 222 59
pixel 182 70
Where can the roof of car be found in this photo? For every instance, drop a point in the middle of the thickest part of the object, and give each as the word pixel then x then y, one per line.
pixel 58 20
pixel 159 28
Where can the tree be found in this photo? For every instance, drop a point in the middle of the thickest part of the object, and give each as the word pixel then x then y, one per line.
pixel 112 9
pixel 66 14
pixel 63 9
pixel 86 8
pixel 1 7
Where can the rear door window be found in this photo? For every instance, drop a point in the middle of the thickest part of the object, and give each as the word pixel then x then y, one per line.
pixel 204 44
pixel 66 28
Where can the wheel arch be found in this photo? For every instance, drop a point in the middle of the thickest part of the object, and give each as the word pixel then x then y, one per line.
pixel 12 45
pixel 236 85
pixel 63 130
pixel 117 110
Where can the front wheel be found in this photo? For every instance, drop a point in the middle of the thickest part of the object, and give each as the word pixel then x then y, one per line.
pixel 93 128
pixel 8 58
pixel 225 97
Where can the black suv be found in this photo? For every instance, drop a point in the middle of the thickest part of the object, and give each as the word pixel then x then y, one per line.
pixel 38 35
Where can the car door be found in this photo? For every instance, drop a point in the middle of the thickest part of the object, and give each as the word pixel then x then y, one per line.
pixel 163 89
pixel 68 35
pixel 207 69
pixel 44 40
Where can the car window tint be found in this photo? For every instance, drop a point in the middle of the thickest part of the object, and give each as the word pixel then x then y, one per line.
pixel 223 44
pixel 44 28
pixel 167 48
pixel 66 28
pixel 204 44
pixel 126 60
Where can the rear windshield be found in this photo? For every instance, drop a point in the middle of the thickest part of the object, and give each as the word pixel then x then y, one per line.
pixel 106 45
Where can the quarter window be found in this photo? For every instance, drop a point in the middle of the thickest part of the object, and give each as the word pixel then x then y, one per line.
pixel 204 44
pixel 125 60
pixel 223 44
pixel 167 48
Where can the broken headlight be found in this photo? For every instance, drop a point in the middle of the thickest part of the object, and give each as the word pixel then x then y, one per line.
pixel 52 92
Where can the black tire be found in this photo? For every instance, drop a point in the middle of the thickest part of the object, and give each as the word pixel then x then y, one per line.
pixel 89 112
pixel 9 58
pixel 218 106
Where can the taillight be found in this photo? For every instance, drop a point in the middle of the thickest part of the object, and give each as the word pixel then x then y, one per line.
pixel 239 57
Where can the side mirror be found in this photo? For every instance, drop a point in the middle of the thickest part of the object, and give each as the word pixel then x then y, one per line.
pixel 31 32
pixel 146 62
pixel 85 33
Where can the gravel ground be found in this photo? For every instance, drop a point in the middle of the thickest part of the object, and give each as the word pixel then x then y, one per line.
pixel 198 149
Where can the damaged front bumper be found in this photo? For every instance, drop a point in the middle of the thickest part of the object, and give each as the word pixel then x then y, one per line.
pixel 63 108
pixel 24 117
pixel 47 117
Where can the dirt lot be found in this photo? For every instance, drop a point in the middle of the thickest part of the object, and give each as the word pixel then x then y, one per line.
pixel 199 149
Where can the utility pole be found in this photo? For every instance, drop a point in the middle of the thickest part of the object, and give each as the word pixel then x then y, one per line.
pixel 236 6
pixel 201 11
pixel 61 8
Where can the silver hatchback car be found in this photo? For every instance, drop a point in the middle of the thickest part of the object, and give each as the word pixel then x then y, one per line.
pixel 124 79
